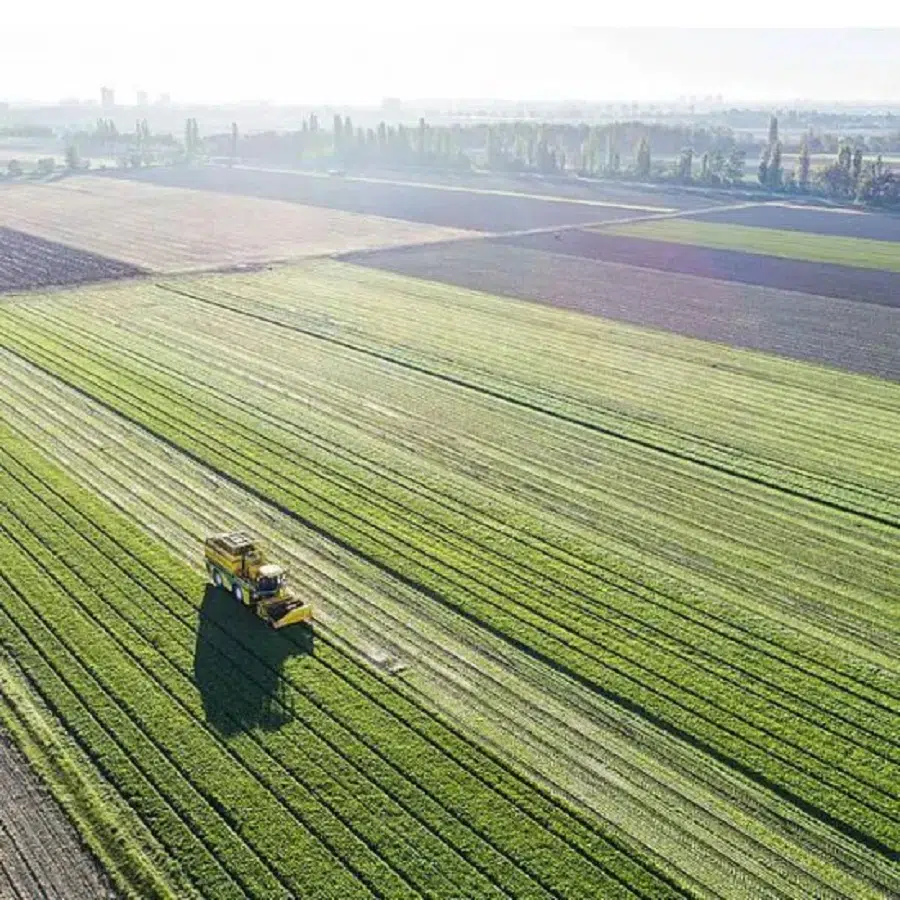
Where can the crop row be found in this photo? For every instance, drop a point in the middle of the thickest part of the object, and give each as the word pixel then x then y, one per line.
pixel 653 396
pixel 89 560
pixel 663 806
pixel 723 550
pixel 609 652
pixel 314 439
pixel 740 550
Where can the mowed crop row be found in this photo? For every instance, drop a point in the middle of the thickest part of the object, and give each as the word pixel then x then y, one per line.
pixel 695 817
pixel 830 438
pixel 358 792
pixel 797 717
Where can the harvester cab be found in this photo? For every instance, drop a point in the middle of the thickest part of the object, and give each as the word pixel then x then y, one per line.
pixel 237 562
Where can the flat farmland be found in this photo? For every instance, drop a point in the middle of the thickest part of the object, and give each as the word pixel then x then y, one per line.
pixel 263 765
pixel 863 285
pixel 470 206
pixel 783 244
pixel 859 337
pixel 172 230
pixel 788 217
pixel 656 574
pixel 28 262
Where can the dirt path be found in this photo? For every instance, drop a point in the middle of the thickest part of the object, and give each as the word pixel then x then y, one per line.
pixel 41 855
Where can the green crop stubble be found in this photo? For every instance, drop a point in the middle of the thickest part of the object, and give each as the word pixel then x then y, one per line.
pixel 513 831
pixel 494 614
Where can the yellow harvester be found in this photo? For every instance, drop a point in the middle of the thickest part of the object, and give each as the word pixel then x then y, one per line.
pixel 237 562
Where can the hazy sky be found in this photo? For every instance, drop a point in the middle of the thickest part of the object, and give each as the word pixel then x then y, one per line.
pixel 202 55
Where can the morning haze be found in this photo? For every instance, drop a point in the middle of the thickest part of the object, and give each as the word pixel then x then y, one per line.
pixel 443 462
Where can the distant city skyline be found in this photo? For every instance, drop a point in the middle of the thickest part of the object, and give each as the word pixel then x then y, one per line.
pixel 224 62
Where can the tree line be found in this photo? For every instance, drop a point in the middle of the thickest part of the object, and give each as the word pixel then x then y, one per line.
pixel 705 156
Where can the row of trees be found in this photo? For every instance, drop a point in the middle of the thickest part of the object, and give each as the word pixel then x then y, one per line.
pixel 848 178
pixel 345 145
pixel 711 157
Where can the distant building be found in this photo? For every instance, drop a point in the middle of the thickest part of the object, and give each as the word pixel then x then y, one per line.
pixel 164 99
pixel 142 98
pixel 107 98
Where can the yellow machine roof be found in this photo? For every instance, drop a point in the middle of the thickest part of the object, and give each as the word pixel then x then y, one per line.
pixel 234 541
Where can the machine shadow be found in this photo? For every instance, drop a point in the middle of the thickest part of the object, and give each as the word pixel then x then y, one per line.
pixel 238 663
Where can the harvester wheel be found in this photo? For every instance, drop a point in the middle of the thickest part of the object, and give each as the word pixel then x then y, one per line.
pixel 217 578
pixel 238 593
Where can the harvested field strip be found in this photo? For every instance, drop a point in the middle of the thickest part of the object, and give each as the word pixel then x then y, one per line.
pixel 627 671
pixel 838 333
pixel 875 286
pixel 337 714
pixel 847 251
pixel 128 853
pixel 39 849
pixel 28 262
pixel 671 800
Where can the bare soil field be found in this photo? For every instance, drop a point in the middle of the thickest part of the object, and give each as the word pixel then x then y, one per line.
pixel 838 222
pixel 858 337
pixel 28 262
pixel 40 852
pixel 170 230
pixel 823 279
pixel 431 204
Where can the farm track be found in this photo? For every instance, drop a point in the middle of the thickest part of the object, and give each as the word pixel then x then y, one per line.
pixel 66 443
pixel 156 637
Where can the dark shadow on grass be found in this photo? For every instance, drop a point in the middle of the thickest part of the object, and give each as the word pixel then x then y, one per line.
pixel 238 664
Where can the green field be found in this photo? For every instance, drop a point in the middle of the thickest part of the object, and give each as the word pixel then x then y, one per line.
pixel 690 550
pixel 847 251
